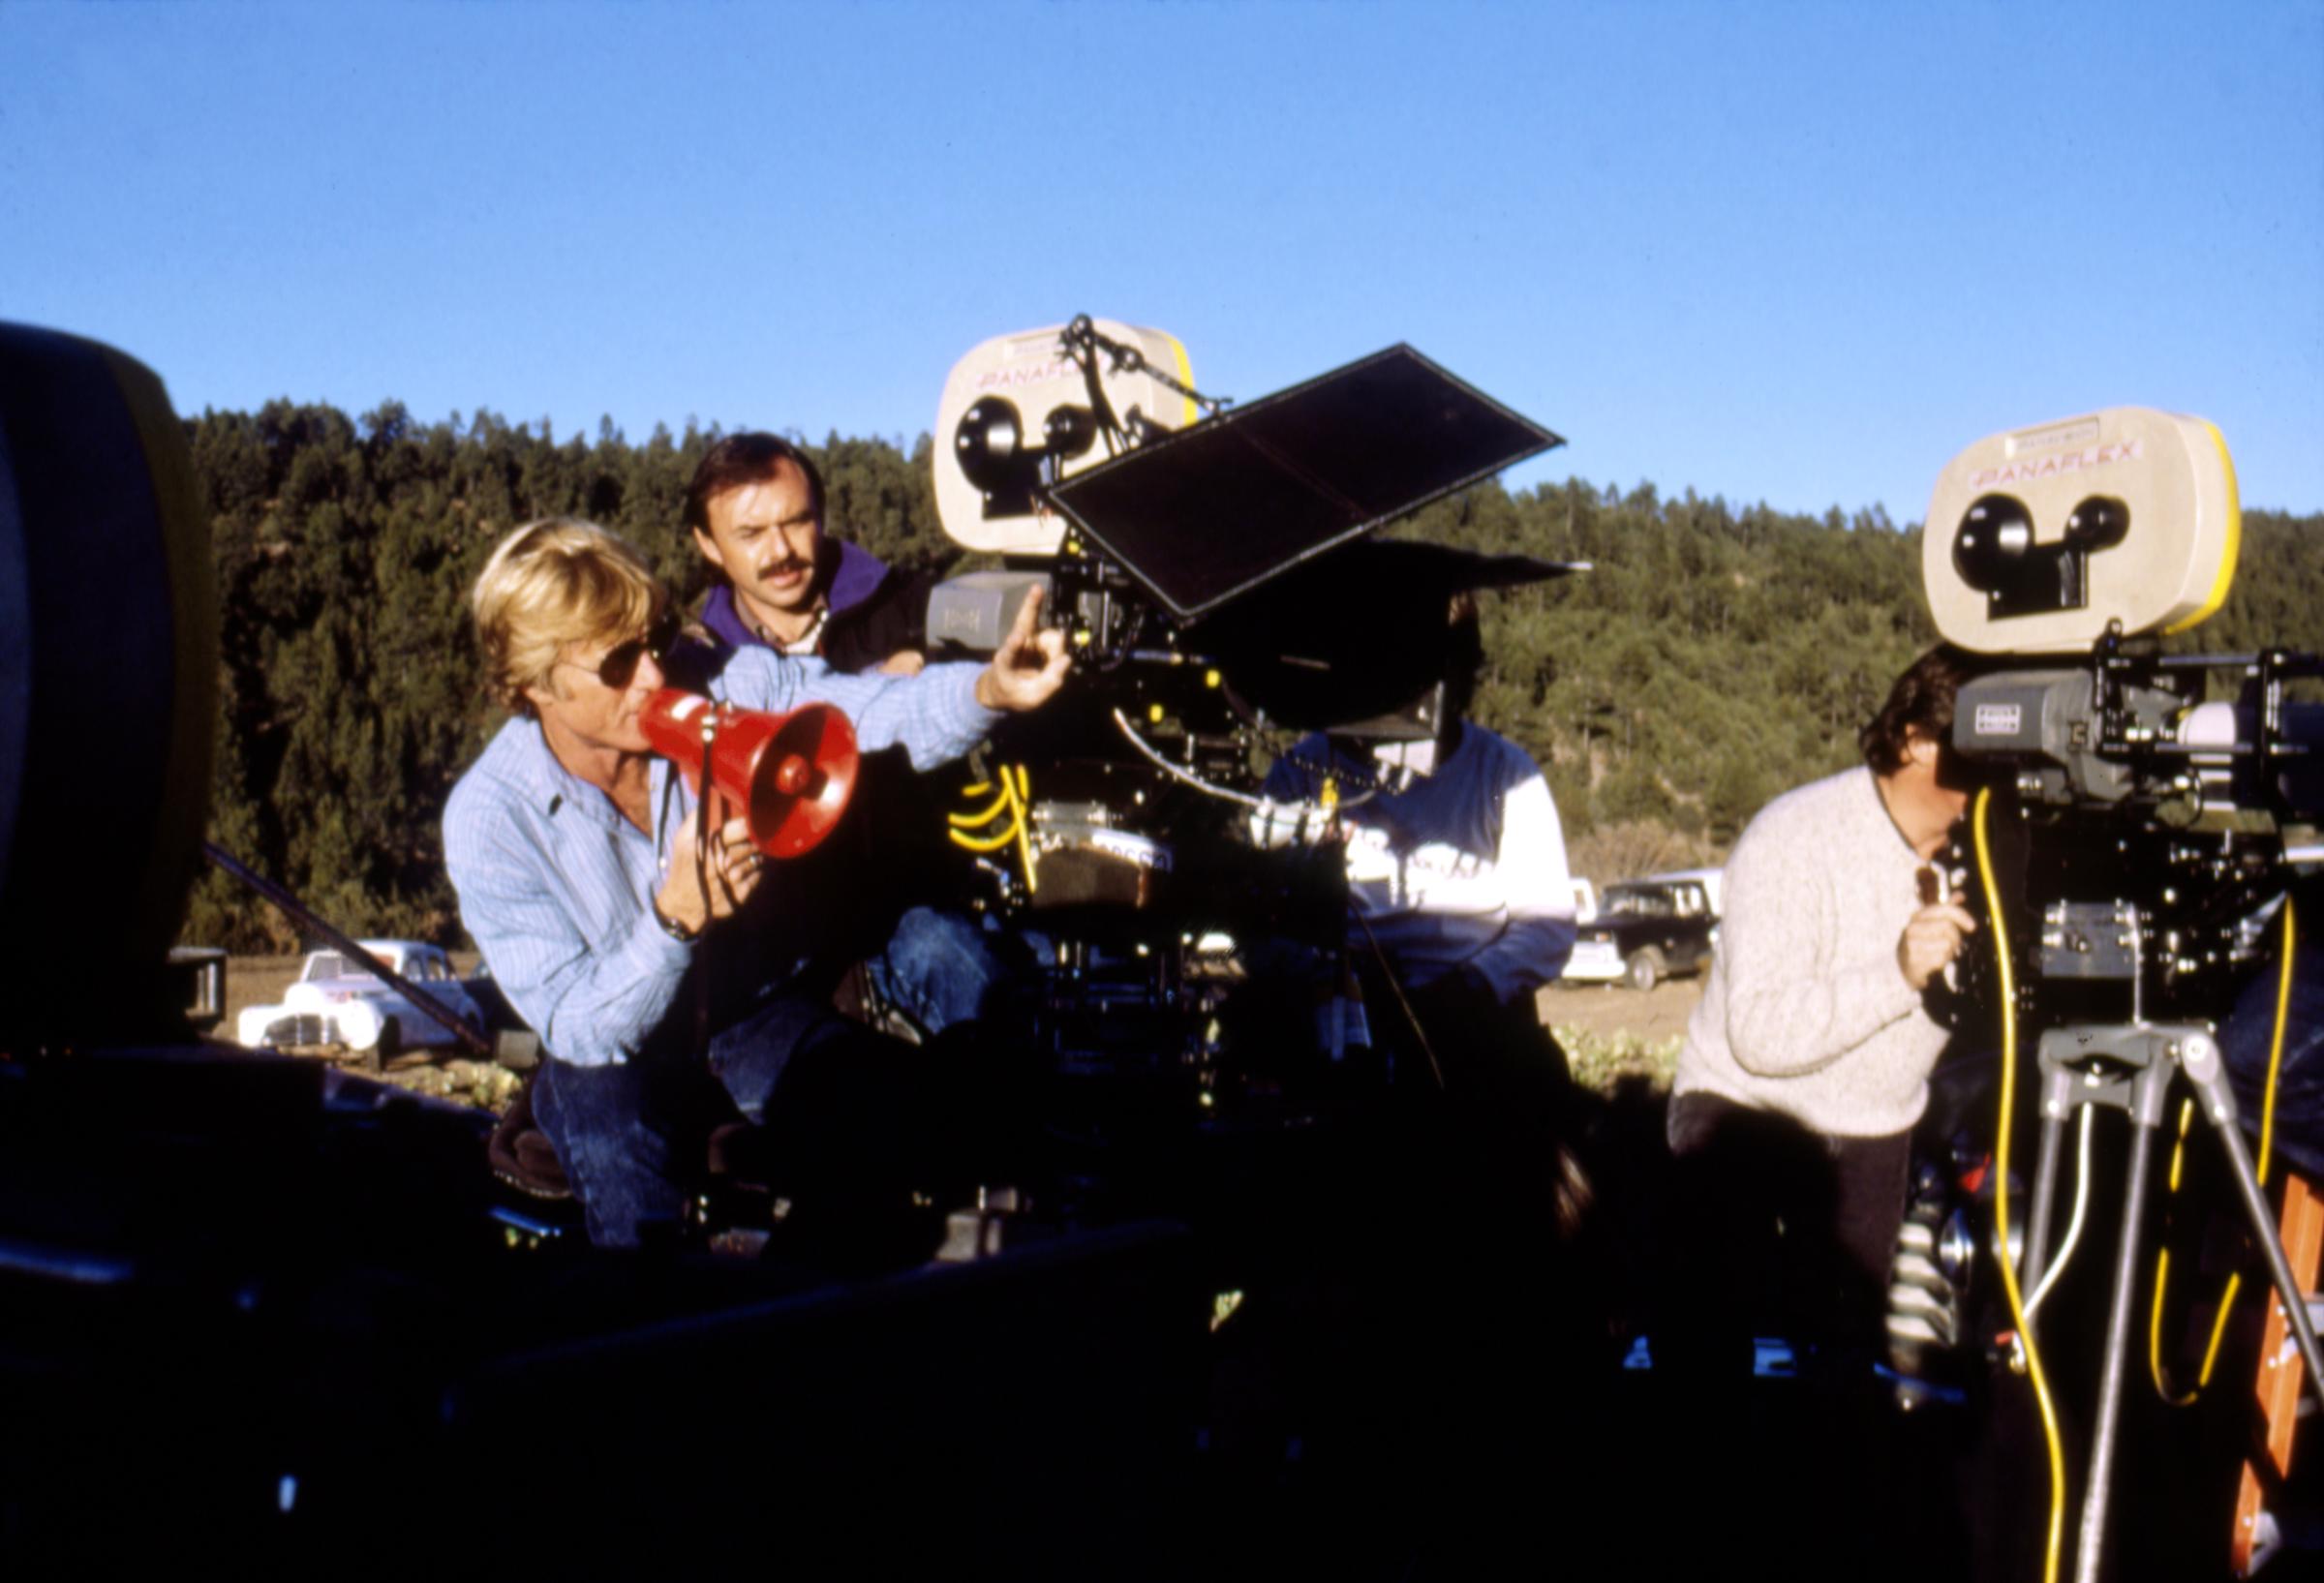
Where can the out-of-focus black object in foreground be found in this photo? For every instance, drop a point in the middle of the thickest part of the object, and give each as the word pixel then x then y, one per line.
pixel 108 653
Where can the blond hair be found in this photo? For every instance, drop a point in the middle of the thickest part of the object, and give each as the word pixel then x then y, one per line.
pixel 550 586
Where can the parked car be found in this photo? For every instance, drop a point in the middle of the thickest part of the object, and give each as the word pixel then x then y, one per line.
pixel 338 1002
pixel 1647 931
pixel 1713 881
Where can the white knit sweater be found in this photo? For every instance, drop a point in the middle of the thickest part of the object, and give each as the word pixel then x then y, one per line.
pixel 1806 1012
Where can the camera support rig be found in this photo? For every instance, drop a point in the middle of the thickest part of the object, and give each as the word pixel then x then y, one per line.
pixel 2069 544
pixel 2130 1067
pixel 1212 568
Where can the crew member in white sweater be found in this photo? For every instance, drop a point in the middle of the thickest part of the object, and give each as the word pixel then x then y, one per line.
pixel 1813 1009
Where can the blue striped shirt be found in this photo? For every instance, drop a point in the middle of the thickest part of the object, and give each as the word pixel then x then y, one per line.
pixel 557 888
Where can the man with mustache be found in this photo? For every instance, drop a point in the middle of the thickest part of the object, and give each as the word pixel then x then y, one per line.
pixel 755 508
pixel 639 944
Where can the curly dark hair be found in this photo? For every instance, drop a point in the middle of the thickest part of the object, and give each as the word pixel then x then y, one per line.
pixel 740 460
pixel 1919 704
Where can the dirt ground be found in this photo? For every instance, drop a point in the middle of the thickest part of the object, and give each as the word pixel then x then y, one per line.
pixel 1661 1013
pixel 1609 1015
pixel 1607 1009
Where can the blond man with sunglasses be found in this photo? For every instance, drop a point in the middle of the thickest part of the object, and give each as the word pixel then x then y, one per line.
pixel 574 853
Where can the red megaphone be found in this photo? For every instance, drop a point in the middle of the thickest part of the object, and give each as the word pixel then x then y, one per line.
pixel 790 774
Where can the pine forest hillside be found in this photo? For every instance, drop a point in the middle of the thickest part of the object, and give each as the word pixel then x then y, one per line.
pixel 1713 658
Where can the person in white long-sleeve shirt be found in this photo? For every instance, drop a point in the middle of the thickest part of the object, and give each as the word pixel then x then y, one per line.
pixel 1813 1008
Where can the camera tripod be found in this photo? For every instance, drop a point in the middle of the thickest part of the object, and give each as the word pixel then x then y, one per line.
pixel 2129 1066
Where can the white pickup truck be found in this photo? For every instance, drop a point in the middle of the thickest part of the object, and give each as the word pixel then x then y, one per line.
pixel 337 1002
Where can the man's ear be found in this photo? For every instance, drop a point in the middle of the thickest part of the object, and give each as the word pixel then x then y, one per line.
pixel 1923 751
pixel 709 547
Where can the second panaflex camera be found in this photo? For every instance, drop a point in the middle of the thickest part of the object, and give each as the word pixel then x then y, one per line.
pixel 2078 545
pixel 2154 791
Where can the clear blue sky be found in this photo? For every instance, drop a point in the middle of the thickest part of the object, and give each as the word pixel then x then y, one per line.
pixel 1793 252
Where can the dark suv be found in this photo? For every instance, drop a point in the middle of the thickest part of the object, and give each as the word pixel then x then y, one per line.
pixel 1647 931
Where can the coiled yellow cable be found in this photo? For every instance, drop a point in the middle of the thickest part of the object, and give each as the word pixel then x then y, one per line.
pixel 969 831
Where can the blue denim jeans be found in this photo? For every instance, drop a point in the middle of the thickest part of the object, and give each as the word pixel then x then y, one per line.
pixel 939 968
pixel 629 1137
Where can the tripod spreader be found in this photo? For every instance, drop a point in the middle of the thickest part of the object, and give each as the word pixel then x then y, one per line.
pixel 2129 1066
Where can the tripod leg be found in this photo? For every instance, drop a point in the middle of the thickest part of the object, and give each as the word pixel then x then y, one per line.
pixel 2092 1535
pixel 2029 1269
pixel 2203 1066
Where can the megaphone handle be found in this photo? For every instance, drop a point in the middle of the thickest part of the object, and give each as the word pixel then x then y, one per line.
pixel 698 781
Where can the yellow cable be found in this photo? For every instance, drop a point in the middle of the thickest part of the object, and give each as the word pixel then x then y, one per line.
pixel 2162 1281
pixel 2267 1138
pixel 984 816
pixel 2218 1328
pixel 2001 1206
pixel 1021 793
pixel 2162 1276
pixel 2162 1284
pixel 2283 1006
pixel 1016 791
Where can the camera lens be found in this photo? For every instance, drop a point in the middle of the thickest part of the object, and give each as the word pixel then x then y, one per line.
pixel 1991 543
pixel 2099 523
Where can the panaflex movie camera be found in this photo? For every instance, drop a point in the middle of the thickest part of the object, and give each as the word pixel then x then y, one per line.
pixel 1213 568
pixel 2091 539
pixel 2160 798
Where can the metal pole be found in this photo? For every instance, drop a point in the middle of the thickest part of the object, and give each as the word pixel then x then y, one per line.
pixel 2093 1541
pixel 2201 1061
pixel 421 1001
pixel 2057 1087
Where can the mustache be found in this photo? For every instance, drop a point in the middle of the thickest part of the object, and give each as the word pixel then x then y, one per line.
pixel 785 567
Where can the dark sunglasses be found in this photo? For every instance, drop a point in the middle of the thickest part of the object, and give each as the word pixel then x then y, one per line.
pixel 620 663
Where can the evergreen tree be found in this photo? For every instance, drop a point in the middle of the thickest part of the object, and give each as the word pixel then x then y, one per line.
pixel 1714 656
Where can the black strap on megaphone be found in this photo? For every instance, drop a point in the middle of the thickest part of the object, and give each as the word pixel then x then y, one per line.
pixel 703 959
